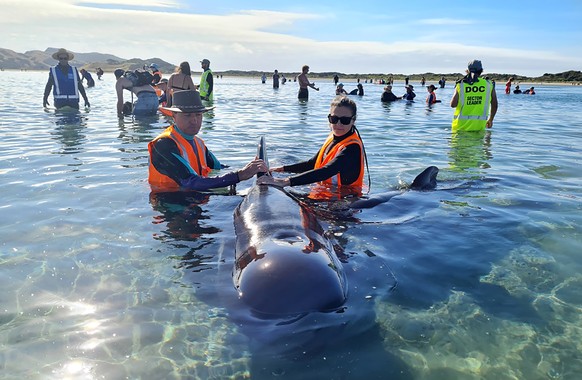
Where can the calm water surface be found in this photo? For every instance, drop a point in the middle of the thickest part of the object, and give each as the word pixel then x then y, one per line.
pixel 100 280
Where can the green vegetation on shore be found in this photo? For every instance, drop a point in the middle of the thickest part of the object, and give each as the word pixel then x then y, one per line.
pixel 42 60
pixel 565 77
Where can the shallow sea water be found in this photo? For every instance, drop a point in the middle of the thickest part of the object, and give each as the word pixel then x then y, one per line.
pixel 100 280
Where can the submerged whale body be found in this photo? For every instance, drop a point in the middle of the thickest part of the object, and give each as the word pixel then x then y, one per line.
pixel 427 180
pixel 284 264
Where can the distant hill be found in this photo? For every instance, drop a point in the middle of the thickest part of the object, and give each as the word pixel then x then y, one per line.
pixel 566 76
pixel 42 60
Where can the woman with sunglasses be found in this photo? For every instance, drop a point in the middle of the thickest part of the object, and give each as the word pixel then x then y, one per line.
pixel 339 162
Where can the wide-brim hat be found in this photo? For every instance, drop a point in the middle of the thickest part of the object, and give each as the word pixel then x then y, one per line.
pixel 187 101
pixel 63 51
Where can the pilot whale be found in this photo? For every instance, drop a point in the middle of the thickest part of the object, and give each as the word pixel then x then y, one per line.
pixel 284 263
pixel 426 180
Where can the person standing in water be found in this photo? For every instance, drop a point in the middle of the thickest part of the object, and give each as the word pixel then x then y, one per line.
pixel 179 159
pixel 85 75
pixel 508 85
pixel 276 79
pixel 431 97
pixel 475 101
pixel 339 162
pixel 206 86
pixel 304 83
pixel 147 101
pixel 65 82
pixel 180 80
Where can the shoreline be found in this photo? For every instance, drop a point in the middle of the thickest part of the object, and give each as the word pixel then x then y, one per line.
pixel 352 77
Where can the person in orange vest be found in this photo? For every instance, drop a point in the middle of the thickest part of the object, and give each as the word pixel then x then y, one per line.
pixel 431 97
pixel 339 163
pixel 156 73
pixel 179 160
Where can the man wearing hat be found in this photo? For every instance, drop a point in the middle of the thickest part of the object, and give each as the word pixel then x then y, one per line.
pixel 179 160
pixel 206 86
pixel 475 101
pixel 65 83
pixel 409 95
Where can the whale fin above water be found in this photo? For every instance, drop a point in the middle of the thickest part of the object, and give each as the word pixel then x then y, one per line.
pixel 426 180
pixel 262 154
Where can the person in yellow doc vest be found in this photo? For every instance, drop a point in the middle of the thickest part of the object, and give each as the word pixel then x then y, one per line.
pixel 206 86
pixel 475 101
pixel 179 159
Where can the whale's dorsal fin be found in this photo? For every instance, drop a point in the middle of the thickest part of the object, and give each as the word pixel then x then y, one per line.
pixel 262 154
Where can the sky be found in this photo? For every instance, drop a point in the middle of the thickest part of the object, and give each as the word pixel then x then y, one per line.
pixel 352 37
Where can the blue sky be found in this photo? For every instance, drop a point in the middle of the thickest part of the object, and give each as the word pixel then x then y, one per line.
pixel 517 37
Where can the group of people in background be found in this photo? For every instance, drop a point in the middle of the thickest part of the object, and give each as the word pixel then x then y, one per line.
pixel 180 160
pixel 409 95
pixel 529 91
pixel 66 84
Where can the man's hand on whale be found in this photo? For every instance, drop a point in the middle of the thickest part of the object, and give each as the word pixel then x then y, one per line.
pixel 255 166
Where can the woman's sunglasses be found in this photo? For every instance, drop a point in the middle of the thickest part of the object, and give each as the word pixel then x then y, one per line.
pixel 345 120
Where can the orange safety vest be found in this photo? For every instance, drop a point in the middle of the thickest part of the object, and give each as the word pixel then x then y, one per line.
pixel 335 182
pixel 194 153
pixel 434 99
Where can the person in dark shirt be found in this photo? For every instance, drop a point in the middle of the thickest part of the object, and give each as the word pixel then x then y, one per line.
pixel 156 73
pixel 388 95
pixel 409 95
pixel 85 75
pixel 179 160
pixel 340 161
pixel 530 91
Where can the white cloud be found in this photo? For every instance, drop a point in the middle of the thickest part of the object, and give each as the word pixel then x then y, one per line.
pixel 247 40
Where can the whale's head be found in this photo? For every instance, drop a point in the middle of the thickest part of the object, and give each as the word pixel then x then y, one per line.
pixel 291 275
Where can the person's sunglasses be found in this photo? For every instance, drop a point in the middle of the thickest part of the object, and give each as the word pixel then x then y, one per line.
pixel 345 120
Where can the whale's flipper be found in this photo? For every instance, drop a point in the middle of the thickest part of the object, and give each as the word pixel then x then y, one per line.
pixel 374 201
pixel 424 181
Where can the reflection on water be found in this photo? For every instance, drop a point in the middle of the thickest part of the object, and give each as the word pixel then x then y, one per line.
pixel 100 280
pixel 470 150
pixel 70 130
